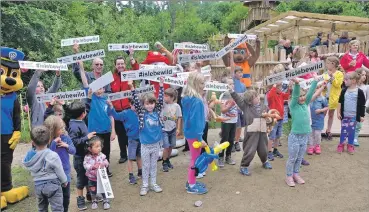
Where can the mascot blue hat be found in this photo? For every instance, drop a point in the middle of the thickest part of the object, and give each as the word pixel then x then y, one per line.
pixel 10 57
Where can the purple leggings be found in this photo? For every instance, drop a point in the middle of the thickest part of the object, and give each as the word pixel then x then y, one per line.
pixel 348 125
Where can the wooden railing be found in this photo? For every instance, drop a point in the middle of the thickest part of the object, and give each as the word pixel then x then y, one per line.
pixel 255 14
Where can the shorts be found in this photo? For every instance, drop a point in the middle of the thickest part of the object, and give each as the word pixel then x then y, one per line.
pixel 240 120
pixel 82 180
pixel 277 130
pixel 169 138
pixel 134 149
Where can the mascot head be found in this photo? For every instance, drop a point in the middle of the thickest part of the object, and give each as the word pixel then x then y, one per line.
pixel 155 58
pixel 241 53
pixel 10 73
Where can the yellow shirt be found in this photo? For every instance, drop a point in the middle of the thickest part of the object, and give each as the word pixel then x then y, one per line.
pixel 335 89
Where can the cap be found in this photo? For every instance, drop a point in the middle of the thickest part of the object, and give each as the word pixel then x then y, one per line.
pixel 10 57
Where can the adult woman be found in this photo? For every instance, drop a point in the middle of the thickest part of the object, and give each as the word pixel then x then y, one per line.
pixel 35 87
pixel 353 59
pixel 119 105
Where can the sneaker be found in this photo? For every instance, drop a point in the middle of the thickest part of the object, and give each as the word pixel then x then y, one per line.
pixel 304 162
pixel 270 156
pixel 298 179
pixel 109 173
pixel 245 171
pixel 237 146
pixel 139 174
pixel 144 191
pixel 197 183
pixel 234 148
pixel 199 176
pixel 156 188
pixel 94 205
pixel 170 165
pixel 279 143
pixel 106 204
pixel 356 143
pixel 289 181
pixel 340 148
pixel 317 149
pixel 241 140
pixel 350 149
pixel 276 153
pixel 99 197
pixel 165 167
pixel 122 160
pixel 81 203
pixel 220 162
pixel 132 180
pixel 230 161
pixel 267 165
pixel 310 150
pixel 197 189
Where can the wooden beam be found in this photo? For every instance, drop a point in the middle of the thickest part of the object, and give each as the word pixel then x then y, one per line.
pixel 296 33
pixel 351 19
pixel 265 38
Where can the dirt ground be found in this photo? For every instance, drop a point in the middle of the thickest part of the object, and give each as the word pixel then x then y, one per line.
pixel 334 182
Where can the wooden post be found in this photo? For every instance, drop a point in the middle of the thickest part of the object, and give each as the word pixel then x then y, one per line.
pixel 265 38
pixel 296 33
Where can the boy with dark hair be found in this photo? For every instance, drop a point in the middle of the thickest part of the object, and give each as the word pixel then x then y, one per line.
pixel 79 134
pixel 172 120
pixel 131 124
pixel 47 171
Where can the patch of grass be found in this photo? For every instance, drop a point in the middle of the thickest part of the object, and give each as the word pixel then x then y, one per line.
pixel 25 131
pixel 21 177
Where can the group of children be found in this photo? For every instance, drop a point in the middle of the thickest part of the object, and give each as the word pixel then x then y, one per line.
pixel 152 123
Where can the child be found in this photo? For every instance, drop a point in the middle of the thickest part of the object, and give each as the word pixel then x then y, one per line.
pixel 300 132
pixel 63 145
pixel 193 127
pixel 318 109
pixel 99 119
pixel 256 139
pixel 46 169
pixel 351 110
pixel 150 136
pixel 172 120
pixel 333 90
pixel 131 124
pixel 79 135
pixel 276 100
pixel 239 87
pixel 94 160
pixel 361 84
pixel 228 128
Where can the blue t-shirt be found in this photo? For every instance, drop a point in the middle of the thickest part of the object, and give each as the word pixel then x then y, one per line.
pixel 152 130
pixel 130 122
pixel 7 107
pixel 239 87
pixel 317 120
pixel 350 103
pixel 98 117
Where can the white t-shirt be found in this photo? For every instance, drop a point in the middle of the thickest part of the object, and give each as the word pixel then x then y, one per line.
pixel 233 112
pixel 170 115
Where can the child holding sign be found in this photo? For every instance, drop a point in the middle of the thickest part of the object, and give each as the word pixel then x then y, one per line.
pixel 300 131
pixel 150 135
pixel 94 160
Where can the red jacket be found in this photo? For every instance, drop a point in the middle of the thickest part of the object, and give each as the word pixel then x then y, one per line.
pixel 276 100
pixel 117 86
pixel 361 60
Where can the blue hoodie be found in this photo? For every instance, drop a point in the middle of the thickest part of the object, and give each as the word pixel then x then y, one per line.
pixel 193 117
pixel 130 121
pixel 98 117
pixel 64 153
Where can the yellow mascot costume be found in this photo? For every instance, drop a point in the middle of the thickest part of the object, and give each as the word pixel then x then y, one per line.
pixel 10 123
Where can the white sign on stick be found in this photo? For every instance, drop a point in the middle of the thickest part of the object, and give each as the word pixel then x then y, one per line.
pixel 101 82
pixel 103 184
pixel 128 94
pixel 185 58
pixel 235 36
pixel 305 84
pixel 150 73
pixel 172 81
pixel 279 77
pixel 69 95
pixel 216 86
pixel 233 45
pixel 43 66
pixel 81 56
pixel 201 47
pixel 127 46
pixel 81 40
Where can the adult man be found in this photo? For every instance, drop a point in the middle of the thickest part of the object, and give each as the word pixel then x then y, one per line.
pixel 317 40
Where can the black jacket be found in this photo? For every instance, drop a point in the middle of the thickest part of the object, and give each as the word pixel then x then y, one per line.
pixel 360 108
